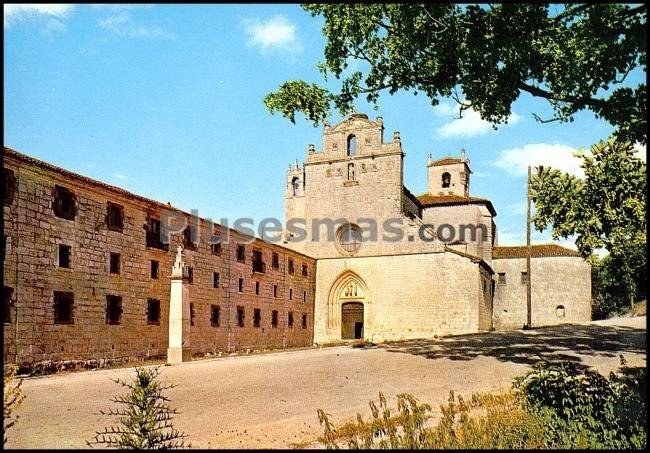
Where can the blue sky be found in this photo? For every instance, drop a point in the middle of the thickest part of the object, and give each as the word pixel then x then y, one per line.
pixel 166 101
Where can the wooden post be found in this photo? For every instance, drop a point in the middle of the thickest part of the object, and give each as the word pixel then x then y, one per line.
pixel 529 250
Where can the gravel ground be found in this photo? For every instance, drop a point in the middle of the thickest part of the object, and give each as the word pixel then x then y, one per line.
pixel 270 400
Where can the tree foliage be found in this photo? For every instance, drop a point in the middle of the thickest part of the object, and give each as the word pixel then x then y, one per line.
pixel 575 56
pixel 145 419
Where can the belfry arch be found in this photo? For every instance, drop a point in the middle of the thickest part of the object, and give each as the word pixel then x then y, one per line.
pixel 349 301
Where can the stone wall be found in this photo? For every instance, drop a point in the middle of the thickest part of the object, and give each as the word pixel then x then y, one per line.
pixel 33 234
pixel 404 296
pixel 557 281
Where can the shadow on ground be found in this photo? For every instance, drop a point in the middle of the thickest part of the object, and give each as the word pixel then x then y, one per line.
pixel 566 342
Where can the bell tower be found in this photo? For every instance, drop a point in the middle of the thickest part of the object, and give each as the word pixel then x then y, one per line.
pixel 449 175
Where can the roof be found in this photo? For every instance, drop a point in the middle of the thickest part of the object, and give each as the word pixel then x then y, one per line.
pixel 537 251
pixel 427 200
pixel 447 161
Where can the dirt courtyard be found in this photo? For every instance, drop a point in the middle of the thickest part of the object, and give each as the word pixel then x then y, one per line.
pixel 271 400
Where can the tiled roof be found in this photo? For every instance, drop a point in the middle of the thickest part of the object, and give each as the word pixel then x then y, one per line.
pixel 537 251
pixel 428 200
pixel 446 161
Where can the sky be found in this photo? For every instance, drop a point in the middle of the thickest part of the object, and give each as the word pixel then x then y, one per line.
pixel 166 101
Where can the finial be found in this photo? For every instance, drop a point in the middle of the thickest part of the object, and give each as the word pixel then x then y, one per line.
pixel 310 149
pixel 462 153
pixel 396 137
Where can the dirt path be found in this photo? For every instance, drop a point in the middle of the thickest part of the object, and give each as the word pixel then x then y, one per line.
pixel 271 400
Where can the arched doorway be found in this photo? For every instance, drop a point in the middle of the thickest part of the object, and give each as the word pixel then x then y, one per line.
pixel 351 320
pixel 349 308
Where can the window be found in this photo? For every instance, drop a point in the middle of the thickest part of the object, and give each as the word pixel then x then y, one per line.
pixel 304 296
pixel 241 285
pixel 446 180
pixel 560 311
pixel 524 277
pixel 275 261
pixel 154 269
pixel 215 245
pixel 290 293
pixel 215 315
pixel 240 316
pixel 257 317
pixel 113 309
pixel 274 319
pixel 10 186
pixel 64 203
pixel 7 294
pixel 350 172
pixel 216 249
pixel 153 311
pixel 502 278
pixel 290 266
pixel 188 272
pixel 114 217
pixel 304 270
pixel 188 241
pixel 304 321
pixel 215 279
pixel 257 287
pixel 352 145
pixel 64 255
pixel 241 253
pixel 153 237
pixel 295 186
pixel 349 238
pixel 63 307
pixel 191 314
pixel 275 290
pixel 258 262
pixel 290 319
pixel 115 263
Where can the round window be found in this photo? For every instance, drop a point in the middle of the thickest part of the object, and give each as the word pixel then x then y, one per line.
pixel 348 238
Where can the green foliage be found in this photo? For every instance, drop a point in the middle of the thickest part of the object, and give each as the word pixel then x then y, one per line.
pixel 575 56
pixel 145 419
pixel 610 293
pixel 583 409
pixel 605 209
pixel 13 398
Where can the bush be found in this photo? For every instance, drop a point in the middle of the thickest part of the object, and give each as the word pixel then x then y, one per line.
pixel 13 398
pixel 485 421
pixel 583 409
pixel 145 421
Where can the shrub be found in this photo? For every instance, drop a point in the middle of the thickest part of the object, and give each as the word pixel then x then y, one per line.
pixel 145 420
pixel 13 398
pixel 583 409
pixel 485 421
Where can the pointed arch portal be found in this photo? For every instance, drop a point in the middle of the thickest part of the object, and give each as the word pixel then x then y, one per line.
pixel 348 306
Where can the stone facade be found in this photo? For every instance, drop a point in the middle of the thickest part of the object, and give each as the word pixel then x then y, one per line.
pixel 380 289
pixel 560 287
pixel 36 279
pixel 86 276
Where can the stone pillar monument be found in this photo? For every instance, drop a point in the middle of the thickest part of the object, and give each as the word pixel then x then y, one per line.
pixel 179 315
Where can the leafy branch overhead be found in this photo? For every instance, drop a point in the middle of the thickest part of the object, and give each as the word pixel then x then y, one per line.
pixel 575 57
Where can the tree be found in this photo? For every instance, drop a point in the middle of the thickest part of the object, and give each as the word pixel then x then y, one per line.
pixel 575 57
pixel 606 209
pixel 145 420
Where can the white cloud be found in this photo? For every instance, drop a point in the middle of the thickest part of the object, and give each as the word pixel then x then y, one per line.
pixel 469 125
pixel 122 25
pixel 560 157
pixel 21 11
pixel 276 33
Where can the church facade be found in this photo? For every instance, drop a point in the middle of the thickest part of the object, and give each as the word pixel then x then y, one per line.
pixel 88 277
pixel 443 273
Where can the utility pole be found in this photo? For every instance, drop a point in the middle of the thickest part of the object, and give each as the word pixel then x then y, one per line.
pixel 528 250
